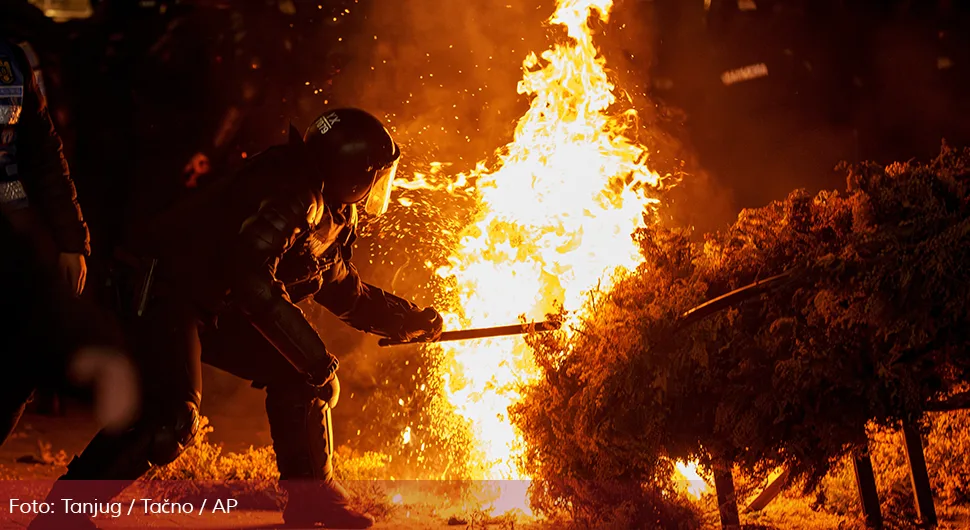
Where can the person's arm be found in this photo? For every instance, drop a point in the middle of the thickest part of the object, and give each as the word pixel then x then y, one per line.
pixel 79 345
pixel 43 170
pixel 44 173
pixel 263 239
pixel 374 310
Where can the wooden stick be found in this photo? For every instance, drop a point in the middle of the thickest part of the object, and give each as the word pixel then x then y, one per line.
pixel 727 501
pixel 866 482
pixel 769 494
pixel 922 491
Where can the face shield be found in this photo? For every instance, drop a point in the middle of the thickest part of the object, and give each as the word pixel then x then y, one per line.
pixel 379 197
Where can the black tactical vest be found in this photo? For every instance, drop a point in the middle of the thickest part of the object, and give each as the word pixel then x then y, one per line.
pixel 13 83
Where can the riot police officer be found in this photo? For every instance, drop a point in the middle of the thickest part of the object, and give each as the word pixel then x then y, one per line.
pixel 225 270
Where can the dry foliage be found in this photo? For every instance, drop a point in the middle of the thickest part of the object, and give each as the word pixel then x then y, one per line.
pixel 251 477
pixel 874 323
pixel 204 471
pixel 946 446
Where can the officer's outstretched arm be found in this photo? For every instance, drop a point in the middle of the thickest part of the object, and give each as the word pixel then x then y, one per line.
pixel 261 242
pixel 374 310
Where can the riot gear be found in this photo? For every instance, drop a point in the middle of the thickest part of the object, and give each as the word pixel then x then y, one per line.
pixel 356 156
pixel 32 165
pixel 233 261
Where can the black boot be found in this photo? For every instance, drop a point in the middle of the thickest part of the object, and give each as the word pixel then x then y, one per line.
pixel 317 502
pixel 303 440
pixel 77 484
pixel 108 465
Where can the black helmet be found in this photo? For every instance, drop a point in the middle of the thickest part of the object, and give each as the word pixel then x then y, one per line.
pixel 357 157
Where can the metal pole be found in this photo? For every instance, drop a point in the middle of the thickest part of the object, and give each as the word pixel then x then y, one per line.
pixel 698 313
pixel 482 333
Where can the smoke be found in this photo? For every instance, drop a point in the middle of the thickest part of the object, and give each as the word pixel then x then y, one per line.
pixel 634 46
pixel 846 83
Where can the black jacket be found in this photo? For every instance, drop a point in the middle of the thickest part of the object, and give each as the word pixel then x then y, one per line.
pixel 31 152
pixel 261 241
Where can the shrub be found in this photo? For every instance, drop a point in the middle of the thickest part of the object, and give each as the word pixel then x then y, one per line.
pixel 872 323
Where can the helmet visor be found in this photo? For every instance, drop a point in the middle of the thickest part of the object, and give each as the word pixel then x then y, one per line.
pixel 379 197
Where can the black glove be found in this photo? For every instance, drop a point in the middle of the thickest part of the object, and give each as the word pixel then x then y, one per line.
pixel 421 326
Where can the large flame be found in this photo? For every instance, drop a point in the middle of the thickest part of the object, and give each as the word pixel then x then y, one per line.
pixel 556 219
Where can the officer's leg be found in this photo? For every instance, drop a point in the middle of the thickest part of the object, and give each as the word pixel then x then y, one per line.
pixel 15 389
pixel 300 424
pixel 302 430
pixel 26 306
pixel 168 352
pixel 14 395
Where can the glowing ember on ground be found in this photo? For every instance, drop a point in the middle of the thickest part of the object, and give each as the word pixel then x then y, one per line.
pixel 556 219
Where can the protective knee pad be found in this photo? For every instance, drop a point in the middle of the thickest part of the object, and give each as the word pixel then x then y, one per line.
pixel 332 393
pixel 300 393
pixel 173 433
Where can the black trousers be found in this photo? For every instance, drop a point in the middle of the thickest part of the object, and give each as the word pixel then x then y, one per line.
pixel 43 324
pixel 171 343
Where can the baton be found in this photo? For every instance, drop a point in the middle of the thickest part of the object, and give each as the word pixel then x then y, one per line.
pixel 482 333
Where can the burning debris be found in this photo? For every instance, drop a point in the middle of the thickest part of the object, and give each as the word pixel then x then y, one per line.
pixel 868 329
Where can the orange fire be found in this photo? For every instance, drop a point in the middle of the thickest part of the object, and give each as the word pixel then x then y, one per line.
pixel 556 218
pixel 555 221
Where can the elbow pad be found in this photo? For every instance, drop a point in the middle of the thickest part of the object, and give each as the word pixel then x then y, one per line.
pixel 285 327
